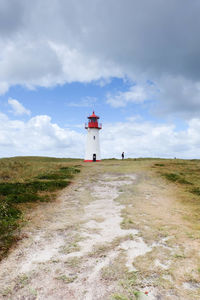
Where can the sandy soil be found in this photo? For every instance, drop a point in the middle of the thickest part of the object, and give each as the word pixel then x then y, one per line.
pixel 103 229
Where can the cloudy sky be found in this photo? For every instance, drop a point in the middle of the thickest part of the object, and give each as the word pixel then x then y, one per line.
pixel 136 63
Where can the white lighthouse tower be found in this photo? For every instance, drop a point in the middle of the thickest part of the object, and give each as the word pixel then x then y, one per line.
pixel 92 152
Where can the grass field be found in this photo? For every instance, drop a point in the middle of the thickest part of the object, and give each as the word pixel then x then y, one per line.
pixel 160 199
pixel 35 179
pixel 24 180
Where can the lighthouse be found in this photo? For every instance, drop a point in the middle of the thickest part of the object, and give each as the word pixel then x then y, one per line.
pixel 92 152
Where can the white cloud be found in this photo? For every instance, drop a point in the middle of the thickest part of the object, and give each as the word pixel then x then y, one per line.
pixel 135 94
pixel 179 95
pixel 147 139
pixel 29 64
pixel 40 136
pixel 47 43
pixel 17 108
pixel 46 63
pixel 80 66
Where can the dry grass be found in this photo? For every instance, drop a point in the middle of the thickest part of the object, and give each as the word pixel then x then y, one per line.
pixel 185 176
pixel 21 169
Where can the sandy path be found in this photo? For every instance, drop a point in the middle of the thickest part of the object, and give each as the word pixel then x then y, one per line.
pixel 77 245
pixel 58 261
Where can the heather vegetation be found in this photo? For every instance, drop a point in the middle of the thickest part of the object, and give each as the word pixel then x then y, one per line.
pixel 26 180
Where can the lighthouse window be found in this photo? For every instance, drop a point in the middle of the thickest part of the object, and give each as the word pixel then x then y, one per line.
pixel 94 137
pixel 93 120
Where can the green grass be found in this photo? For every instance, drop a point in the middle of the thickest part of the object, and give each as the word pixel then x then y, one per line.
pixel 16 189
pixel 53 176
pixel 185 172
pixel 196 191
pixel 24 180
pixel 171 176
pixel 176 178
pixel 66 279
pixel 62 173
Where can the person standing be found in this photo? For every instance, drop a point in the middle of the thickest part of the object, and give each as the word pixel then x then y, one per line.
pixel 122 155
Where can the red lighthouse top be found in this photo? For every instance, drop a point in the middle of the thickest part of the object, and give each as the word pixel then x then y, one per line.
pixel 93 116
pixel 93 122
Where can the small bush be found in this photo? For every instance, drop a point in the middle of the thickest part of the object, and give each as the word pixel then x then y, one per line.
pixel 54 176
pixel 23 198
pixel 184 181
pixel 171 176
pixel 31 187
pixel 9 216
pixel 176 178
pixel 72 170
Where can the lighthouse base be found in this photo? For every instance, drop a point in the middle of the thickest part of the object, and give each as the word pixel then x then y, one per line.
pixel 91 160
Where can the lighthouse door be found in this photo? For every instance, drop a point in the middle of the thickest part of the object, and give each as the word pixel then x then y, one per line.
pixel 94 157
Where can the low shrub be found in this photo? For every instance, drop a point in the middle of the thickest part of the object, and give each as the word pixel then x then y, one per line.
pixel 171 176
pixel 176 178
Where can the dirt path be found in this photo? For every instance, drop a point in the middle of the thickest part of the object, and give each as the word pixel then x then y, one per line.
pixel 108 236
